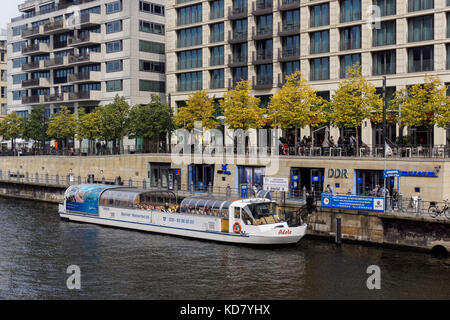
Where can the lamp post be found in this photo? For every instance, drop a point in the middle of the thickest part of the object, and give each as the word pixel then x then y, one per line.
pixel 383 140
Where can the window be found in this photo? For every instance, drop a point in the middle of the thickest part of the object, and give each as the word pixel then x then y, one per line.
pixel 264 49
pixel 4 109
pixel 114 66
pixel 17 46
pixel 115 26
pixel 17 63
pixel 420 28
pixel 417 5
pixel 448 61
pixel 216 9
pixel 89 68
pixel 190 14
pixel 348 61
pixel 387 7
pixel 114 46
pixel 115 85
pixel 385 35
pixel 320 15
pixel 290 68
pixel 240 52
pixel 22 114
pixel 291 20
pixel 113 7
pixel 189 37
pixel 153 8
pixel 383 62
pixel 420 59
pixel 264 74
pixel 264 24
pixel 217 33
pixel 151 27
pixel 350 10
pixel 320 41
pixel 217 79
pixel 351 38
pixel 239 74
pixel 84 12
pixel 190 81
pixel 17 95
pixel 217 56
pixel 320 69
pixel 17 31
pixel 152 66
pixel 17 79
pixel 152 86
pixel 291 46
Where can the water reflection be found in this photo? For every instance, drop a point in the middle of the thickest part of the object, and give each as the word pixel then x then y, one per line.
pixel 36 248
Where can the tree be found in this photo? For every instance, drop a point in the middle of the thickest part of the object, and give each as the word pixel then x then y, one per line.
pixel 88 126
pixel 199 107
pixel 296 105
pixel 62 125
pixel 115 121
pixel 424 105
pixel 35 126
pixel 354 100
pixel 240 109
pixel 12 127
pixel 150 121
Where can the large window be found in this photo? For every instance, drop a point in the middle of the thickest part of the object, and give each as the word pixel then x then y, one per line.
pixel 383 62
pixel 190 59
pixel 320 42
pixel 350 10
pixel 420 59
pixel 291 20
pixel 152 86
pixel 153 8
pixel 420 28
pixel 189 37
pixel 386 7
pixel 17 63
pixel 17 31
pixel 291 46
pixel 151 47
pixel 114 66
pixel 417 5
pixel 290 68
pixel 320 69
pixel 190 14
pixel 151 27
pixel 264 24
pixel 113 7
pixel 114 46
pixel 190 81
pixel 348 61
pixel 264 74
pixel 114 85
pixel 217 32
pixel 217 79
pixel 217 56
pixel 152 66
pixel 320 15
pixel 239 74
pixel 385 35
pixel 17 79
pixel 115 26
pixel 351 38
pixel 216 9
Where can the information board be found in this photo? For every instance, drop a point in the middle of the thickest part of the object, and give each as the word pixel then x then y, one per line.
pixel 276 184
pixel 352 202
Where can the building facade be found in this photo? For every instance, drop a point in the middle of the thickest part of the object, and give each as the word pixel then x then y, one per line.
pixel 213 44
pixel 3 75
pixel 81 53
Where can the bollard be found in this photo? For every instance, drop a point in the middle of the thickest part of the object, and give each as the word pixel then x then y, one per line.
pixel 79 179
pixel 400 202
pixel 18 176
pixel 191 187
pixel 304 193
pixel 209 188
pixel 175 185
pixel 419 205
pixel 388 204
pixel 228 191
pixel 1 175
pixel 130 183
pixel 68 179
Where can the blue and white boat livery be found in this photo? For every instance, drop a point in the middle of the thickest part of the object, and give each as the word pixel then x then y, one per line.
pixel 243 221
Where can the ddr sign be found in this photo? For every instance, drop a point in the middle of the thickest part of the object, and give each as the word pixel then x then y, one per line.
pixel 276 184
pixel 352 202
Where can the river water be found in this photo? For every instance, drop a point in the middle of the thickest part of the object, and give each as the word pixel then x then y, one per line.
pixel 36 248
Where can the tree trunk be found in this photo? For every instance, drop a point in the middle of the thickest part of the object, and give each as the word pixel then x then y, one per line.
pixel 295 141
pixel 357 142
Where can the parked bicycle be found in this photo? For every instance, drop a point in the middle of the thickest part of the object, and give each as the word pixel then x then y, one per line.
pixel 434 210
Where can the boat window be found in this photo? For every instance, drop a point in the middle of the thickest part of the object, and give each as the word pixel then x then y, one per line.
pixel 237 213
pixel 262 213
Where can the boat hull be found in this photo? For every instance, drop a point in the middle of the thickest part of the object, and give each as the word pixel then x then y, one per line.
pixel 289 235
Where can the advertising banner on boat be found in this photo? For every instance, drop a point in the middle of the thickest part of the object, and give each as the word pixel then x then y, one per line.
pixel 84 198
pixel 354 202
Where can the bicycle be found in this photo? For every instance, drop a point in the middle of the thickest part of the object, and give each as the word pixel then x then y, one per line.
pixel 434 211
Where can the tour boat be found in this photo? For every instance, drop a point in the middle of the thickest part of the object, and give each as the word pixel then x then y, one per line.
pixel 240 221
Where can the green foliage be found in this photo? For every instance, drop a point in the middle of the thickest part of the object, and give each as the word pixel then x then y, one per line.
pixel 89 124
pixel 36 125
pixel 62 125
pixel 12 126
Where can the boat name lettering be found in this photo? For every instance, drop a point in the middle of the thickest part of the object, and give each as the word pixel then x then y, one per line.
pixel 283 231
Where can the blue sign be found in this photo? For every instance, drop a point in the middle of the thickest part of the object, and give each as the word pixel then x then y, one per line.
pixel 315 178
pixel 244 189
pixel 91 208
pixel 295 178
pixel 391 173
pixel 359 180
pixel 400 173
pixel 352 202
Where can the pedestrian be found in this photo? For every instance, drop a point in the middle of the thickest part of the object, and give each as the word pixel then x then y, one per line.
pixel 98 146
pixel 394 198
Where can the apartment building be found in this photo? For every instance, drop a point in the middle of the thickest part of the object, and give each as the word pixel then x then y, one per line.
pixel 3 76
pixel 213 44
pixel 81 53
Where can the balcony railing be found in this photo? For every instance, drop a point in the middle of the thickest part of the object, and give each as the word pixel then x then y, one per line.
pixel 262 57
pixel 31 66
pixel 85 95
pixel 30 99
pixel 54 62
pixel 30 32
pixel 59 97
pixel 262 33
pixel 37 47
pixel 236 60
pixel 52 26
pixel 261 7
pixel 85 76
pixel 89 38
pixel 288 54
pixel 262 82
pixel 287 29
pixel 237 12
pixel 237 36
pixel 90 57
pixel 288 4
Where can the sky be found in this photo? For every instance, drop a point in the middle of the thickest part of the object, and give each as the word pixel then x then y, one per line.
pixel 8 10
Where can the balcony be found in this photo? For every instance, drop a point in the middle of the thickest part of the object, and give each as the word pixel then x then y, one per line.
pixel 56 27
pixel 92 57
pixel 262 83
pixel 262 57
pixel 56 62
pixel 36 83
pixel 288 4
pixel 92 76
pixel 237 36
pixel 32 100
pixel 92 95
pixel 290 54
pixel 90 20
pixel 31 33
pixel 90 39
pixel 262 33
pixel 33 65
pixel 288 29
pixel 237 60
pixel 37 48
pixel 59 97
pixel 261 7
pixel 237 13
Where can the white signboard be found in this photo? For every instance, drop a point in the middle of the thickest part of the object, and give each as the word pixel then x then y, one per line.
pixel 276 184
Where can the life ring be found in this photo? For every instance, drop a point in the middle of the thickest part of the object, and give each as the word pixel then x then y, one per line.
pixel 237 227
